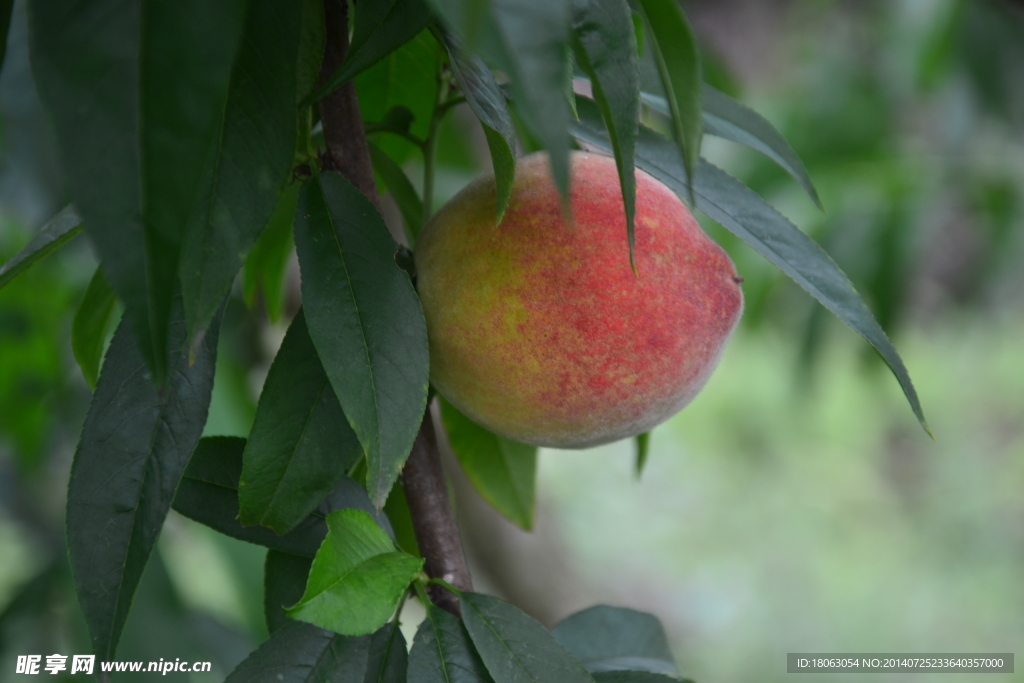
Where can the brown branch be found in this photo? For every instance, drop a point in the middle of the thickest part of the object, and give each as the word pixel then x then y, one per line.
pixel 423 478
pixel 426 491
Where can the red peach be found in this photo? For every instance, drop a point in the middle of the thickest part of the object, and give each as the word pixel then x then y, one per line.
pixel 539 329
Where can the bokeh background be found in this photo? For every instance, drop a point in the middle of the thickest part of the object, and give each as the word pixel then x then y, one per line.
pixel 794 506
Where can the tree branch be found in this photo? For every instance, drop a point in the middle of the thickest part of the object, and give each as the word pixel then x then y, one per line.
pixel 423 478
pixel 426 491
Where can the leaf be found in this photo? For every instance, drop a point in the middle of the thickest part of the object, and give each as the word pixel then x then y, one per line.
pixel 487 101
pixel 300 653
pixel 208 493
pixel 267 263
pixel 381 27
pixel 471 20
pixel 405 78
pixel 136 151
pixel 389 656
pixel 133 450
pixel 284 582
pixel 397 511
pixel 443 653
pixel 51 237
pixel 642 445
pixel 605 48
pixel 300 445
pixel 726 118
pixel 401 189
pixel 311 49
pixel 89 326
pixel 605 638
pixel 515 647
pixel 251 160
pixel 366 322
pixel 741 211
pixel 533 49
pixel 675 52
pixel 636 677
pixel 357 579
pixel 504 472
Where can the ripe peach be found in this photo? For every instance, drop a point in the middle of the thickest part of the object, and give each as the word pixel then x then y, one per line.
pixel 540 331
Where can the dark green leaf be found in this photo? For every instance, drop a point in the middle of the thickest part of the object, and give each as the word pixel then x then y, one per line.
pixel 134 447
pixel 357 578
pixel 251 160
pixel 405 78
pixel 636 677
pixel 472 20
pixel 381 27
pixel 401 189
pixel 389 656
pixel 51 237
pixel 642 446
pixel 136 151
pixel 533 49
pixel 487 101
pixel 300 445
pixel 742 212
pixel 209 494
pixel 311 48
pixel 267 263
pixel 504 472
pixel 284 582
pixel 726 118
pixel 443 653
pixel 366 322
pixel 515 647
pixel 89 326
pixel 675 52
pixel 605 48
pixel 397 511
pixel 605 638
pixel 301 653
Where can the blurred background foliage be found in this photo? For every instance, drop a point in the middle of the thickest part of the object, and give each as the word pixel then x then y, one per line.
pixel 794 506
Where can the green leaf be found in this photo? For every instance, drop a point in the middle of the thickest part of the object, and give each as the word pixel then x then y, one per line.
pixel 89 326
pixel 487 101
pixel 251 160
pixel 133 450
pixel 311 49
pixel 300 653
pixel 284 582
pixel 605 638
pixel 397 511
pixel 642 446
pixel 136 151
pixel 409 203
pixel 504 472
pixel 677 57
pixel 267 263
pixel 605 48
pixel 51 237
pixel 741 211
pixel 300 445
pixel 636 677
pixel 381 27
pixel 515 647
pixel 443 653
pixel 389 656
pixel 726 118
pixel 472 20
pixel 366 322
pixel 208 493
pixel 533 49
pixel 357 579
pixel 405 78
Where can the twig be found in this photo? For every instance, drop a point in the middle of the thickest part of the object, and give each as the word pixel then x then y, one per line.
pixel 425 487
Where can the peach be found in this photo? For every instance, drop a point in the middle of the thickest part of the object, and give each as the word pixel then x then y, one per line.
pixel 539 329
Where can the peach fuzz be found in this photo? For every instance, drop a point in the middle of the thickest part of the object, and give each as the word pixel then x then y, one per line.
pixel 540 331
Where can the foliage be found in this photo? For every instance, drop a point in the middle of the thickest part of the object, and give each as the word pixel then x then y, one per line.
pixel 186 134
